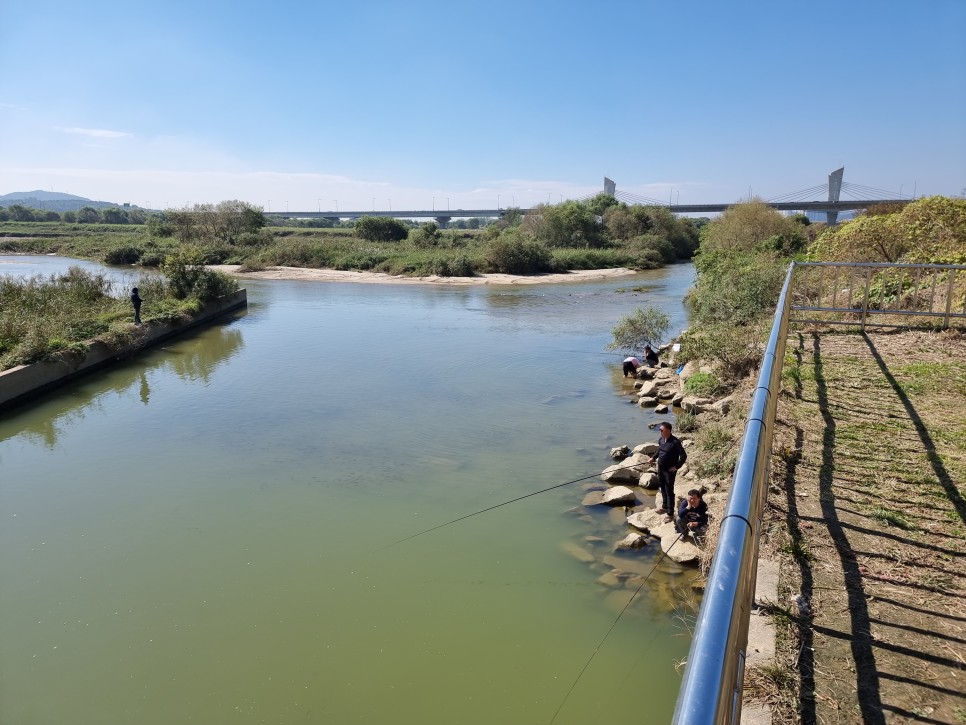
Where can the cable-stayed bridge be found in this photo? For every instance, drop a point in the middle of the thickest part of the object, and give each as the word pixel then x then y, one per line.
pixel 804 200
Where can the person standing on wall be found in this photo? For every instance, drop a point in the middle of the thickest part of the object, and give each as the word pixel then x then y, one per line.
pixel 136 301
pixel 670 456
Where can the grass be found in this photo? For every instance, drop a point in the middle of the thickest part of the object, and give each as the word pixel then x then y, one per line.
pixel 704 385
pixel 42 316
pixel 457 253
pixel 893 518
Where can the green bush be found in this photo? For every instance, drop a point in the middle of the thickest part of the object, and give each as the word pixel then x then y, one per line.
pixel 123 255
pixel 737 348
pixel 514 253
pixel 705 385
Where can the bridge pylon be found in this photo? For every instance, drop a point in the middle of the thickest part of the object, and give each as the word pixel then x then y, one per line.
pixel 834 190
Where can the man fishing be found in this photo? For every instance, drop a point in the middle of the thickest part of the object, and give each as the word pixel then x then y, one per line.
pixel 670 456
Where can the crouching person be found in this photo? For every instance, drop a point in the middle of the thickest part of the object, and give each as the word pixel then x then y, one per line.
pixel 692 514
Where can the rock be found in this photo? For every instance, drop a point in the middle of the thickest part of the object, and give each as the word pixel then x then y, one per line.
pixel 722 406
pixel 665 374
pixel 638 385
pixel 593 498
pixel 648 480
pixel 682 551
pixel 626 567
pixel 618 495
pixel 690 368
pixel 578 552
pixel 694 404
pixel 644 373
pixel 661 409
pixel 687 442
pixel 645 521
pixel 591 539
pixel 664 530
pixel 631 541
pixel 646 401
pixel 676 400
pixel 665 394
pixel 620 452
pixel 648 388
pixel 609 579
pixel 647 449
pixel 619 473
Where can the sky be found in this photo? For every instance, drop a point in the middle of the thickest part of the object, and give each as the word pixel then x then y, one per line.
pixel 470 105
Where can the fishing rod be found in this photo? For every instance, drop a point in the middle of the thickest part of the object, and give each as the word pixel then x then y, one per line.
pixel 505 503
pixel 614 624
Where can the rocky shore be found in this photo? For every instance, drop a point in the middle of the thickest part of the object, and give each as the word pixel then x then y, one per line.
pixel 627 489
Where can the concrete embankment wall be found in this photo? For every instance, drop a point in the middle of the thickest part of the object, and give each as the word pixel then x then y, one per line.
pixel 19 384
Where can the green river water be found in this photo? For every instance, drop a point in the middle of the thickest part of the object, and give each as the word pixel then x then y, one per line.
pixel 200 534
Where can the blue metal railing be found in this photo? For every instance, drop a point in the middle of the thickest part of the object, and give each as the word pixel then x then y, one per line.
pixel 711 690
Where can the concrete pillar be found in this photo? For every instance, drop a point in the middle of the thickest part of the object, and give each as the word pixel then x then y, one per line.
pixel 834 190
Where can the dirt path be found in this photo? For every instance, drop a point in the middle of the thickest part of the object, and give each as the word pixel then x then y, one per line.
pixel 868 514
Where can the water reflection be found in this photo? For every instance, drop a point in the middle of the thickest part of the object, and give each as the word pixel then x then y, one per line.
pixel 191 359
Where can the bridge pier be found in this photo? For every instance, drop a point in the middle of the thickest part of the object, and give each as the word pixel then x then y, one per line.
pixel 443 221
pixel 834 190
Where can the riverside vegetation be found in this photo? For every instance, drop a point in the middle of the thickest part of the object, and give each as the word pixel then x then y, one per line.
pixel 595 234
pixel 41 316
pixel 863 419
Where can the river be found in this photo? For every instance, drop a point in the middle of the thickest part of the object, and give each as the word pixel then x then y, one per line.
pixel 204 533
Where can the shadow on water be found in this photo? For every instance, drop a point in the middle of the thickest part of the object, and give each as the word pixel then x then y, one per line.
pixel 45 418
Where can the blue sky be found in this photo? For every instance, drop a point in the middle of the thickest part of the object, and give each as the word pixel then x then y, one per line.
pixel 419 104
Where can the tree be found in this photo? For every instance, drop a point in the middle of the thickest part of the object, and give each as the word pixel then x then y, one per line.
pixel 601 203
pixel 69 217
pixel 646 326
pixel 88 215
pixel 427 235
pixel 20 213
pixel 570 224
pixel 381 229
pixel 114 216
pixel 747 226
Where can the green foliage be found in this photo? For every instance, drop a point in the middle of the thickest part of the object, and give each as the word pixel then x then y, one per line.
pixel 930 230
pixel 647 326
pixel 736 286
pixel 159 225
pixel 705 385
pixel 570 224
pixel 752 226
pixel 515 253
pixel 426 236
pixel 381 229
pixel 687 422
pixel 188 277
pixel 737 348
pixel 123 255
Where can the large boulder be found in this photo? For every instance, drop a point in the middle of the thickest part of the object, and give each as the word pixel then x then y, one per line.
pixel 648 480
pixel 618 495
pixel 647 449
pixel 676 400
pixel 694 404
pixel 683 550
pixel 647 401
pixel 665 374
pixel 578 552
pixel 627 471
pixel 593 498
pixel 661 409
pixel 647 388
pixel 722 406
pixel 645 521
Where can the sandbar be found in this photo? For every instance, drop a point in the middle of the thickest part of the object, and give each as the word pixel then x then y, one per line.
pixel 335 275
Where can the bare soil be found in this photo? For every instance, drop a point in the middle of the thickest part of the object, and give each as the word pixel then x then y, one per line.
pixel 867 514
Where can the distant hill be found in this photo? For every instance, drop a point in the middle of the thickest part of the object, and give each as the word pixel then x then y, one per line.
pixel 55 201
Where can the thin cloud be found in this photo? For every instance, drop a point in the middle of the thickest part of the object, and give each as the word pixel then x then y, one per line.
pixel 13 106
pixel 94 132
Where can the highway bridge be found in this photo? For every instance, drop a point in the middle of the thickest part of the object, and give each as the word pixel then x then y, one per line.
pixel 798 201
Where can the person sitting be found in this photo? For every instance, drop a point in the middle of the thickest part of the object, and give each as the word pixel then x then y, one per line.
pixel 650 357
pixel 692 514
pixel 631 365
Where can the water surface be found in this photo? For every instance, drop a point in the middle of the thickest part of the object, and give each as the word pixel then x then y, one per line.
pixel 198 535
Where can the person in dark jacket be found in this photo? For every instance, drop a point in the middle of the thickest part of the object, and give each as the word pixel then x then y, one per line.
pixel 136 301
pixel 692 514
pixel 650 357
pixel 670 456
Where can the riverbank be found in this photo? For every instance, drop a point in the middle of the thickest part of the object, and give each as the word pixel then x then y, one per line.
pixel 335 275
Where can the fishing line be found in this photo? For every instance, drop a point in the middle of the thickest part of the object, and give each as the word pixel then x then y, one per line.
pixel 607 634
pixel 490 508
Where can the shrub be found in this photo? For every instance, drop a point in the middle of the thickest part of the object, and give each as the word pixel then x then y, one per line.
pixel 187 277
pixel 426 236
pixel 123 255
pixel 381 229
pixel 645 326
pixel 705 385
pixel 514 253
pixel 737 348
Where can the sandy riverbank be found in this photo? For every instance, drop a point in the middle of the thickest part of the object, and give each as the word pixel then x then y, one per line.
pixel 334 275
